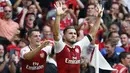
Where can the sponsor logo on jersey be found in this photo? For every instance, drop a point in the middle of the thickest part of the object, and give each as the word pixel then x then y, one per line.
pixel 72 61
pixel 34 67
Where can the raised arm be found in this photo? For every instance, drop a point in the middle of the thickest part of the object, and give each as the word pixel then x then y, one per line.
pixel 96 26
pixel 71 12
pixel 37 5
pixel 21 23
pixel 81 5
pixel 17 3
pixel 56 27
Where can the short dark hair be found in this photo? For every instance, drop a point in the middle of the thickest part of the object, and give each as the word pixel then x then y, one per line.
pixel 124 33
pixel 92 4
pixel 31 30
pixel 111 33
pixel 68 27
pixel 123 55
pixel 30 14
pixel 111 42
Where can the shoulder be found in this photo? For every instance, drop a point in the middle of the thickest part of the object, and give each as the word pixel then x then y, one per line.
pixel 14 23
pixel 25 49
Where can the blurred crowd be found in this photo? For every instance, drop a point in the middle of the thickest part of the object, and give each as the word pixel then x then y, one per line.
pixel 17 17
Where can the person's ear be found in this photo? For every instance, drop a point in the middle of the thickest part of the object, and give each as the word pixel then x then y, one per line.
pixel 29 39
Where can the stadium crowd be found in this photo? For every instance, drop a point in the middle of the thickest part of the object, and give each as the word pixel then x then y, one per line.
pixel 56 36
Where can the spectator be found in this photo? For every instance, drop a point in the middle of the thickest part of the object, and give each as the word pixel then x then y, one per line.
pixel 47 33
pixel 112 15
pixel 124 58
pixel 125 42
pixel 8 28
pixel 6 64
pixel 127 18
pixel 125 27
pixel 111 56
pixel 114 28
pixel 85 66
pixel 3 3
pixel 114 36
pixel 27 24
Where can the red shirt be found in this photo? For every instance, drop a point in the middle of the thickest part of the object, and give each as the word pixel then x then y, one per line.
pixel 68 57
pixel 36 64
pixel 120 68
pixel 2 5
pixel 65 22
pixel 127 49
pixel 68 60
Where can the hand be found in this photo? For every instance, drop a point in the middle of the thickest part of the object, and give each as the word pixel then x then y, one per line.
pixel 25 10
pixel 59 10
pixel 100 10
pixel 45 43
pixel 6 58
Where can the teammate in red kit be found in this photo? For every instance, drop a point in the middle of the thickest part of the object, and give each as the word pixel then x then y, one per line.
pixel 34 55
pixel 68 50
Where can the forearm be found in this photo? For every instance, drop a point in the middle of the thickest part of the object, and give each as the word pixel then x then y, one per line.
pixel 38 7
pixel 17 3
pixel 56 28
pixel 80 4
pixel 74 17
pixel 95 28
pixel 21 23
pixel 31 54
pixel 12 68
pixel 8 4
pixel 2 66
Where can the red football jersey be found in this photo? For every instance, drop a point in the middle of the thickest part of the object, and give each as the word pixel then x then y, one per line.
pixel 37 63
pixel 68 60
pixel 68 57
pixel 120 68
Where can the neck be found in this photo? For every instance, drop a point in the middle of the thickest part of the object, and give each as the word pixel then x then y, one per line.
pixel 1 59
pixel 7 19
pixel 32 46
pixel 69 44
pixel 125 45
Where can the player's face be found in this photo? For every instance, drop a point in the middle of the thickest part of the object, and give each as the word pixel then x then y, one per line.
pixel 70 36
pixel 35 38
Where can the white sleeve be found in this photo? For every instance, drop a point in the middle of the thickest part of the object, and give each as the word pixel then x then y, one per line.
pixel 84 42
pixel 47 49
pixel 59 46
pixel 23 51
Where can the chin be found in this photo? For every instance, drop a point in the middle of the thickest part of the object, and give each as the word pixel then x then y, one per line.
pixel 38 43
pixel 73 42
